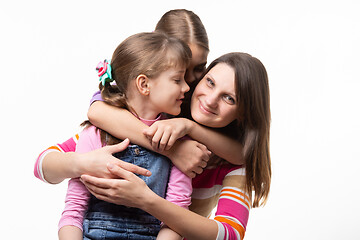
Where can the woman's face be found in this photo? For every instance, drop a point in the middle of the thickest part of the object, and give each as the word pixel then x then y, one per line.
pixel 213 102
pixel 197 65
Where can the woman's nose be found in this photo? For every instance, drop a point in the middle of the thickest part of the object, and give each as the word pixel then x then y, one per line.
pixel 211 100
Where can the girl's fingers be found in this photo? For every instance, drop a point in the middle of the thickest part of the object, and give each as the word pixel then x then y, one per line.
pixel 150 131
pixel 171 141
pixel 164 140
pixel 156 139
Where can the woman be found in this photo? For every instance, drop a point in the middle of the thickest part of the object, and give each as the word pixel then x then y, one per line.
pixel 233 96
pixel 60 162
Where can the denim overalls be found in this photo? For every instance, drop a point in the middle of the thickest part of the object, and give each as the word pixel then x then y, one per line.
pixel 105 220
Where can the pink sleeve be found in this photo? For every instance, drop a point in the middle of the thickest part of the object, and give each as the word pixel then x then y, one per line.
pixel 67 146
pixel 179 188
pixel 232 211
pixel 77 195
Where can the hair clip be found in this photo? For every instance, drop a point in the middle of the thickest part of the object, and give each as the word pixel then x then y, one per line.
pixel 104 72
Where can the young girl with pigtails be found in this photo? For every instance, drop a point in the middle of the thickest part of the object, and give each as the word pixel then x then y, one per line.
pixel 149 70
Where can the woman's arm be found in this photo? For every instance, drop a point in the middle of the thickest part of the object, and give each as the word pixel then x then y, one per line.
pixel 127 125
pixel 120 191
pixel 165 132
pixel 230 219
pixel 56 164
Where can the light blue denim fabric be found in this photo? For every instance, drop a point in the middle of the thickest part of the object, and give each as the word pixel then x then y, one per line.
pixel 105 220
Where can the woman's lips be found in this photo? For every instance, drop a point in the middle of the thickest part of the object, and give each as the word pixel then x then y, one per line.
pixel 205 109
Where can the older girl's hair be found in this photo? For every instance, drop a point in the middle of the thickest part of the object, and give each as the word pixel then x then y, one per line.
pixel 252 125
pixel 185 25
pixel 143 53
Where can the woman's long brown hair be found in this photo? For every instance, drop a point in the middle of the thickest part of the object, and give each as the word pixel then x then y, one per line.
pixel 252 126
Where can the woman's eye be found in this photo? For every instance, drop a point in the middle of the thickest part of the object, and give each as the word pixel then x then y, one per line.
pixel 210 82
pixel 229 99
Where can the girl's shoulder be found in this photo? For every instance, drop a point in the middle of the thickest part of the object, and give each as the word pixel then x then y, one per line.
pixel 89 139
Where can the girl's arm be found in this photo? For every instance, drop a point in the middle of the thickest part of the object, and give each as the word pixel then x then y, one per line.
pixel 70 232
pixel 165 132
pixel 168 234
pixel 70 224
pixel 221 145
pixel 77 196
pixel 186 156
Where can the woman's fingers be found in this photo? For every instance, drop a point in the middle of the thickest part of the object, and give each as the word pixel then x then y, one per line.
pixel 206 153
pixel 128 166
pixel 118 147
pixel 98 189
pixel 131 167
pixel 120 172
pixel 102 183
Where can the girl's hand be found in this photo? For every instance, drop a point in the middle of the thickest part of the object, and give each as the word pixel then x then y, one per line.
pixel 163 134
pixel 189 156
pixel 127 189
pixel 95 162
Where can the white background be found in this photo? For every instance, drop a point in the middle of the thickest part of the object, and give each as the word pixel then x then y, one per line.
pixel 311 51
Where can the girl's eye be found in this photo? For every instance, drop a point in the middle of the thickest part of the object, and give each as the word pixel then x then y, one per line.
pixel 229 99
pixel 199 69
pixel 177 80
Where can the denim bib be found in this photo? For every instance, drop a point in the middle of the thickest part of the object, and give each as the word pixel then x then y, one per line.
pixel 105 220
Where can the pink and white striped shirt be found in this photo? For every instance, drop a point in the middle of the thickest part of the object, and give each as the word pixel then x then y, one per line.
pixel 221 186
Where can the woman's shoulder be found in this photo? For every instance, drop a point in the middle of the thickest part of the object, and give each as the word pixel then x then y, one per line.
pixel 214 174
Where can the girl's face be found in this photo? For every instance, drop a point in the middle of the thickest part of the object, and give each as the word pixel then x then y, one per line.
pixel 213 102
pixel 166 92
pixel 197 65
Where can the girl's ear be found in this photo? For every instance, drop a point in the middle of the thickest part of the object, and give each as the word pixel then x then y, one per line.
pixel 142 84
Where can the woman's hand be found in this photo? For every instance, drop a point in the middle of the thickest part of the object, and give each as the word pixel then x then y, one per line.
pixel 127 189
pixel 95 162
pixel 163 134
pixel 189 156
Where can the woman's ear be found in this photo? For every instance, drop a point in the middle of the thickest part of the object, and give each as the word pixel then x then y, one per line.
pixel 142 84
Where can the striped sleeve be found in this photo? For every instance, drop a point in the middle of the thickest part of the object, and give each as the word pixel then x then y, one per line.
pixel 67 146
pixel 233 207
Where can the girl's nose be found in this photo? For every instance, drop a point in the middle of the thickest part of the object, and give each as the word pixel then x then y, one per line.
pixel 185 87
pixel 189 77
